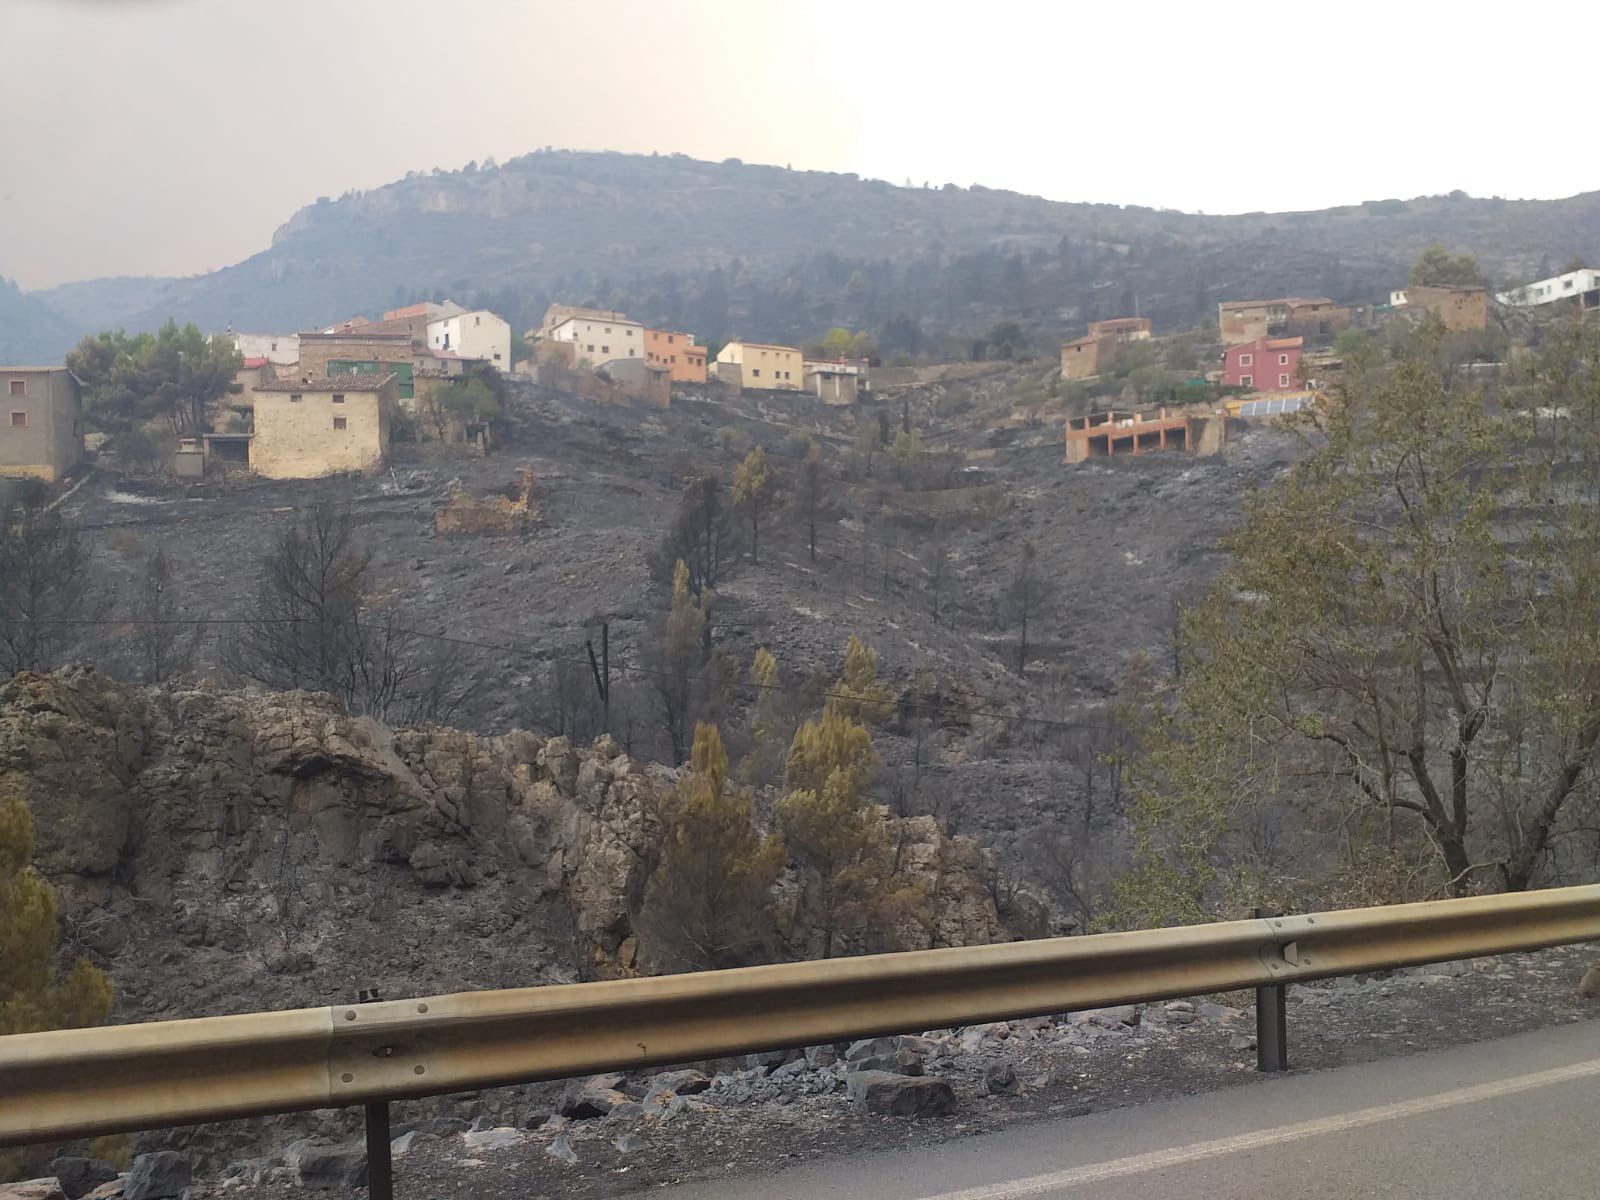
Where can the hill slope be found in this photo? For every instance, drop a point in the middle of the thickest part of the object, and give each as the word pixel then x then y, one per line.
pixel 31 332
pixel 729 247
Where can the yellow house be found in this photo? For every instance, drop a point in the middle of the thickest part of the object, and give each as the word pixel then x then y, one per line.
pixel 304 428
pixel 760 366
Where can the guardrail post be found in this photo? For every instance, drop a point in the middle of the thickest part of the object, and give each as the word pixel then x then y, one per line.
pixel 380 1162
pixel 1272 1018
pixel 380 1168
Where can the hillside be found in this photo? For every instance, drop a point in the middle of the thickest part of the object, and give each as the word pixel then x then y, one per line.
pixel 30 331
pixel 730 247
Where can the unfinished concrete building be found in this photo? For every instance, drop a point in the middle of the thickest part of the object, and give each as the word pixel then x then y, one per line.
pixel 1114 433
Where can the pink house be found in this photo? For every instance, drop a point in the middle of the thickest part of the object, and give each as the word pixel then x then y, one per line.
pixel 1264 365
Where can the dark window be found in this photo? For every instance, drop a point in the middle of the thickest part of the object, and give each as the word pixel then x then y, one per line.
pixel 338 397
pixel 19 420
pixel 339 422
pixel 605 349
pixel 294 397
pixel 19 387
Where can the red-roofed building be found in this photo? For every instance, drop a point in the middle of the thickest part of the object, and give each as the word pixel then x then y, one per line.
pixel 1264 365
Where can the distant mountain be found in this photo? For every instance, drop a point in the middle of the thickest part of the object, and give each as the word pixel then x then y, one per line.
pixel 729 248
pixel 31 334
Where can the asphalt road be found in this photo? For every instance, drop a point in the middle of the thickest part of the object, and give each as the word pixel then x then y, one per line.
pixel 1508 1118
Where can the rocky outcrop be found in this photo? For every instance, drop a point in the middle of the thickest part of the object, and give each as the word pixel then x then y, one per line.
pixel 228 850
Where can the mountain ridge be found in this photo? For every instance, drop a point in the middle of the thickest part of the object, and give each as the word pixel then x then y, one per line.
pixel 729 248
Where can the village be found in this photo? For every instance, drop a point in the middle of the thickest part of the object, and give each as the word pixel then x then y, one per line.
pixel 322 402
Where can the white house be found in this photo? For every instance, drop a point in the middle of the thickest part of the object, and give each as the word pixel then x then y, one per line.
pixel 1568 286
pixel 601 339
pixel 280 349
pixel 478 334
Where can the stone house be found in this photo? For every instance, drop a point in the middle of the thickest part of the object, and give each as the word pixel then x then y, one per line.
pixel 359 352
pixel 1459 308
pixel 305 428
pixel 1242 321
pixel 1088 356
pixel 41 423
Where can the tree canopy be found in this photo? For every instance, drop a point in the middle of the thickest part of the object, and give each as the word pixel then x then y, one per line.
pixel 176 374
pixel 1402 656
pixel 1437 267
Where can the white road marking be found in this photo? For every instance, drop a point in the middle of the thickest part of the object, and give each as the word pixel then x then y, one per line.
pixel 1155 1160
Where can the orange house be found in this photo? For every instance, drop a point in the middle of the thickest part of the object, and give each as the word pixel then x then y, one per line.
pixel 676 352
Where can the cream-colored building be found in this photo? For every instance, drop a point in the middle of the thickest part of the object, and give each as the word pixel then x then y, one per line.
pixel 304 428
pixel 478 334
pixel 598 339
pixel 761 366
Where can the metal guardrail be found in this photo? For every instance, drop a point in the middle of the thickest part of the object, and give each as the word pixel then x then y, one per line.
pixel 120 1078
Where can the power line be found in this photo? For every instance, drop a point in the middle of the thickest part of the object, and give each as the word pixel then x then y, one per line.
pixel 922 707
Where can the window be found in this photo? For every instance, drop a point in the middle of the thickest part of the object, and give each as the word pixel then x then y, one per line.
pixel 340 422
pixel 338 398
pixel 476 321
pixel 19 420
pixel 1283 381
pixel 605 349
pixel 294 397
pixel 1283 360
pixel 274 345
pixel 497 356
pixel 608 329
pixel 590 347
pixel 755 372
pixel 1246 381
pixel 671 339
pixel 19 387
pixel 1246 360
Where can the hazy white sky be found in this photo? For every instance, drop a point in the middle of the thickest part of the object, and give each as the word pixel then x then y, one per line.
pixel 173 136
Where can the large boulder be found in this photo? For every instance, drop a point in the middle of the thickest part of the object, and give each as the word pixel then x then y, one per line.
pixel 159 1176
pixel 596 1096
pixel 900 1095
pixel 687 1082
pixel 80 1176
pixel 896 1062
pixel 324 1166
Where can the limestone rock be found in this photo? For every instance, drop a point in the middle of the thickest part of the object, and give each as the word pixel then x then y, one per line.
pixel 583 1099
pixel 561 1150
pixel 687 1082
pixel 491 1139
pixel 32 1189
pixel 411 1138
